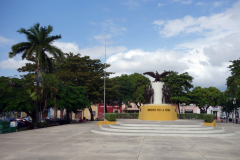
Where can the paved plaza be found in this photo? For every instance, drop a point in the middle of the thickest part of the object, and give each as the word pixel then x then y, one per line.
pixel 76 141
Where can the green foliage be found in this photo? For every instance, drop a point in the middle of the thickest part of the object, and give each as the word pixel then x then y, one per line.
pixel 111 116
pixel 131 87
pixel 15 95
pixel 42 124
pixel 233 81
pixel 72 98
pixel 127 115
pixel 39 42
pixel 179 86
pixel 181 116
pixel 205 97
pixel 85 72
pixel 190 116
pixel 200 116
pixel 208 118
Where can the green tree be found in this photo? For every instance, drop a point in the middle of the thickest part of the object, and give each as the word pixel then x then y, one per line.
pixel 226 103
pixel 179 86
pixel 132 88
pixel 205 97
pixel 38 45
pixel 72 98
pixel 81 71
pixel 138 84
pixel 85 72
pixel 17 96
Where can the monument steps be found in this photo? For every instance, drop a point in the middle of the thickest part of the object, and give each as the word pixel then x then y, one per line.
pixel 108 128
pixel 158 125
pixel 161 127
pixel 99 131
pixel 183 130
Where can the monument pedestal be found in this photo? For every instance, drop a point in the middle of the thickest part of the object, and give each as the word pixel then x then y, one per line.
pixel 158 112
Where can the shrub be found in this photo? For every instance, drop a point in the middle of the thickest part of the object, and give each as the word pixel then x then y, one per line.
pixel 111 116
pixel 127 115
pixel 200 116
pixel 42 124
pixel 208 118
pixel 63 121
pixel 181 116
pixel 190 116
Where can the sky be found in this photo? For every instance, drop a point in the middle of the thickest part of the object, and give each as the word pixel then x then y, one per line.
pixel 195 36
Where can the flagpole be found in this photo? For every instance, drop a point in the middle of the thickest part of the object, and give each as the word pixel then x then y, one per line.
pixel 104 78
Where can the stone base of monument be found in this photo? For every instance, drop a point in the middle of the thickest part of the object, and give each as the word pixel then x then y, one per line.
pixel 158 112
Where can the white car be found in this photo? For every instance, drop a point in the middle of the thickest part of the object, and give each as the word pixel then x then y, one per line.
pixel 223 116
pixel 28 119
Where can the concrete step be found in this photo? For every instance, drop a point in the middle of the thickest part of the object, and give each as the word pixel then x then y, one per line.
pixel 156 130
pixel 170 134
pixel 159 125
pixel 163 127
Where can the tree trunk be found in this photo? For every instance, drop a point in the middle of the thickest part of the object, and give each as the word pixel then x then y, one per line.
pixel 202 110
pixel 90 110
pixel 178 108
pixel 55 107
pixel 67 112
pixel 106 111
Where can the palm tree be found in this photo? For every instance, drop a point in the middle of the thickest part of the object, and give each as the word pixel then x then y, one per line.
pixel 38 45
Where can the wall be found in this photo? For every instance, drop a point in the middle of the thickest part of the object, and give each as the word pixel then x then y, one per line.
pixel 110 109
pixel 87 114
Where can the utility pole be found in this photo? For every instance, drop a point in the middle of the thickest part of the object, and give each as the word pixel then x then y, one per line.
pixel 104 102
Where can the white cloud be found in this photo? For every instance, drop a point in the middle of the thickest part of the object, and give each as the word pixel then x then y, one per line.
pixel 184 1
pixel 13 63
pixel 199 4
pixel 217 39
pixel 228 21
pixel 112 30
pixel 217 4
pixel 160 4
pixel 110 25
pixel 5 41
pixel 131 4
pixel 93 52
pixel 141 61
pixel 187 2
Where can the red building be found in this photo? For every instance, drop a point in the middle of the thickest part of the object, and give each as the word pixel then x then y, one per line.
pixel 111 109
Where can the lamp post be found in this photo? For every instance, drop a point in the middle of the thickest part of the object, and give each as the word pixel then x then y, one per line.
pixel 37 82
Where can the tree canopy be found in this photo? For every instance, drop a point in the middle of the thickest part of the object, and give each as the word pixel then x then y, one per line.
pixel 38 45
pixel 179 85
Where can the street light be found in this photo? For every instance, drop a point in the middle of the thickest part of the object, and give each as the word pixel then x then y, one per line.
pixel 37 82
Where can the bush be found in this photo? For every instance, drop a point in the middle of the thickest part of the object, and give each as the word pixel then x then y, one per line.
pixel 190 116
pixel 42 124
pixel 127 115
pixel 63 121
pixel 111 116
pixel 200 116
pixel 208 118
pixel 181 116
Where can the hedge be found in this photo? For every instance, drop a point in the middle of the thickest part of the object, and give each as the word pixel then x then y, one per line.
pixel 111 116
pixel 127 115
pixel 190 116
pixel 208 118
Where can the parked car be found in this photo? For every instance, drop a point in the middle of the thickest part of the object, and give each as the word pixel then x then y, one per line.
pixel 223 116
pixel 20 124
pixel 29 119
pixel 49 117
pixel 27 123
